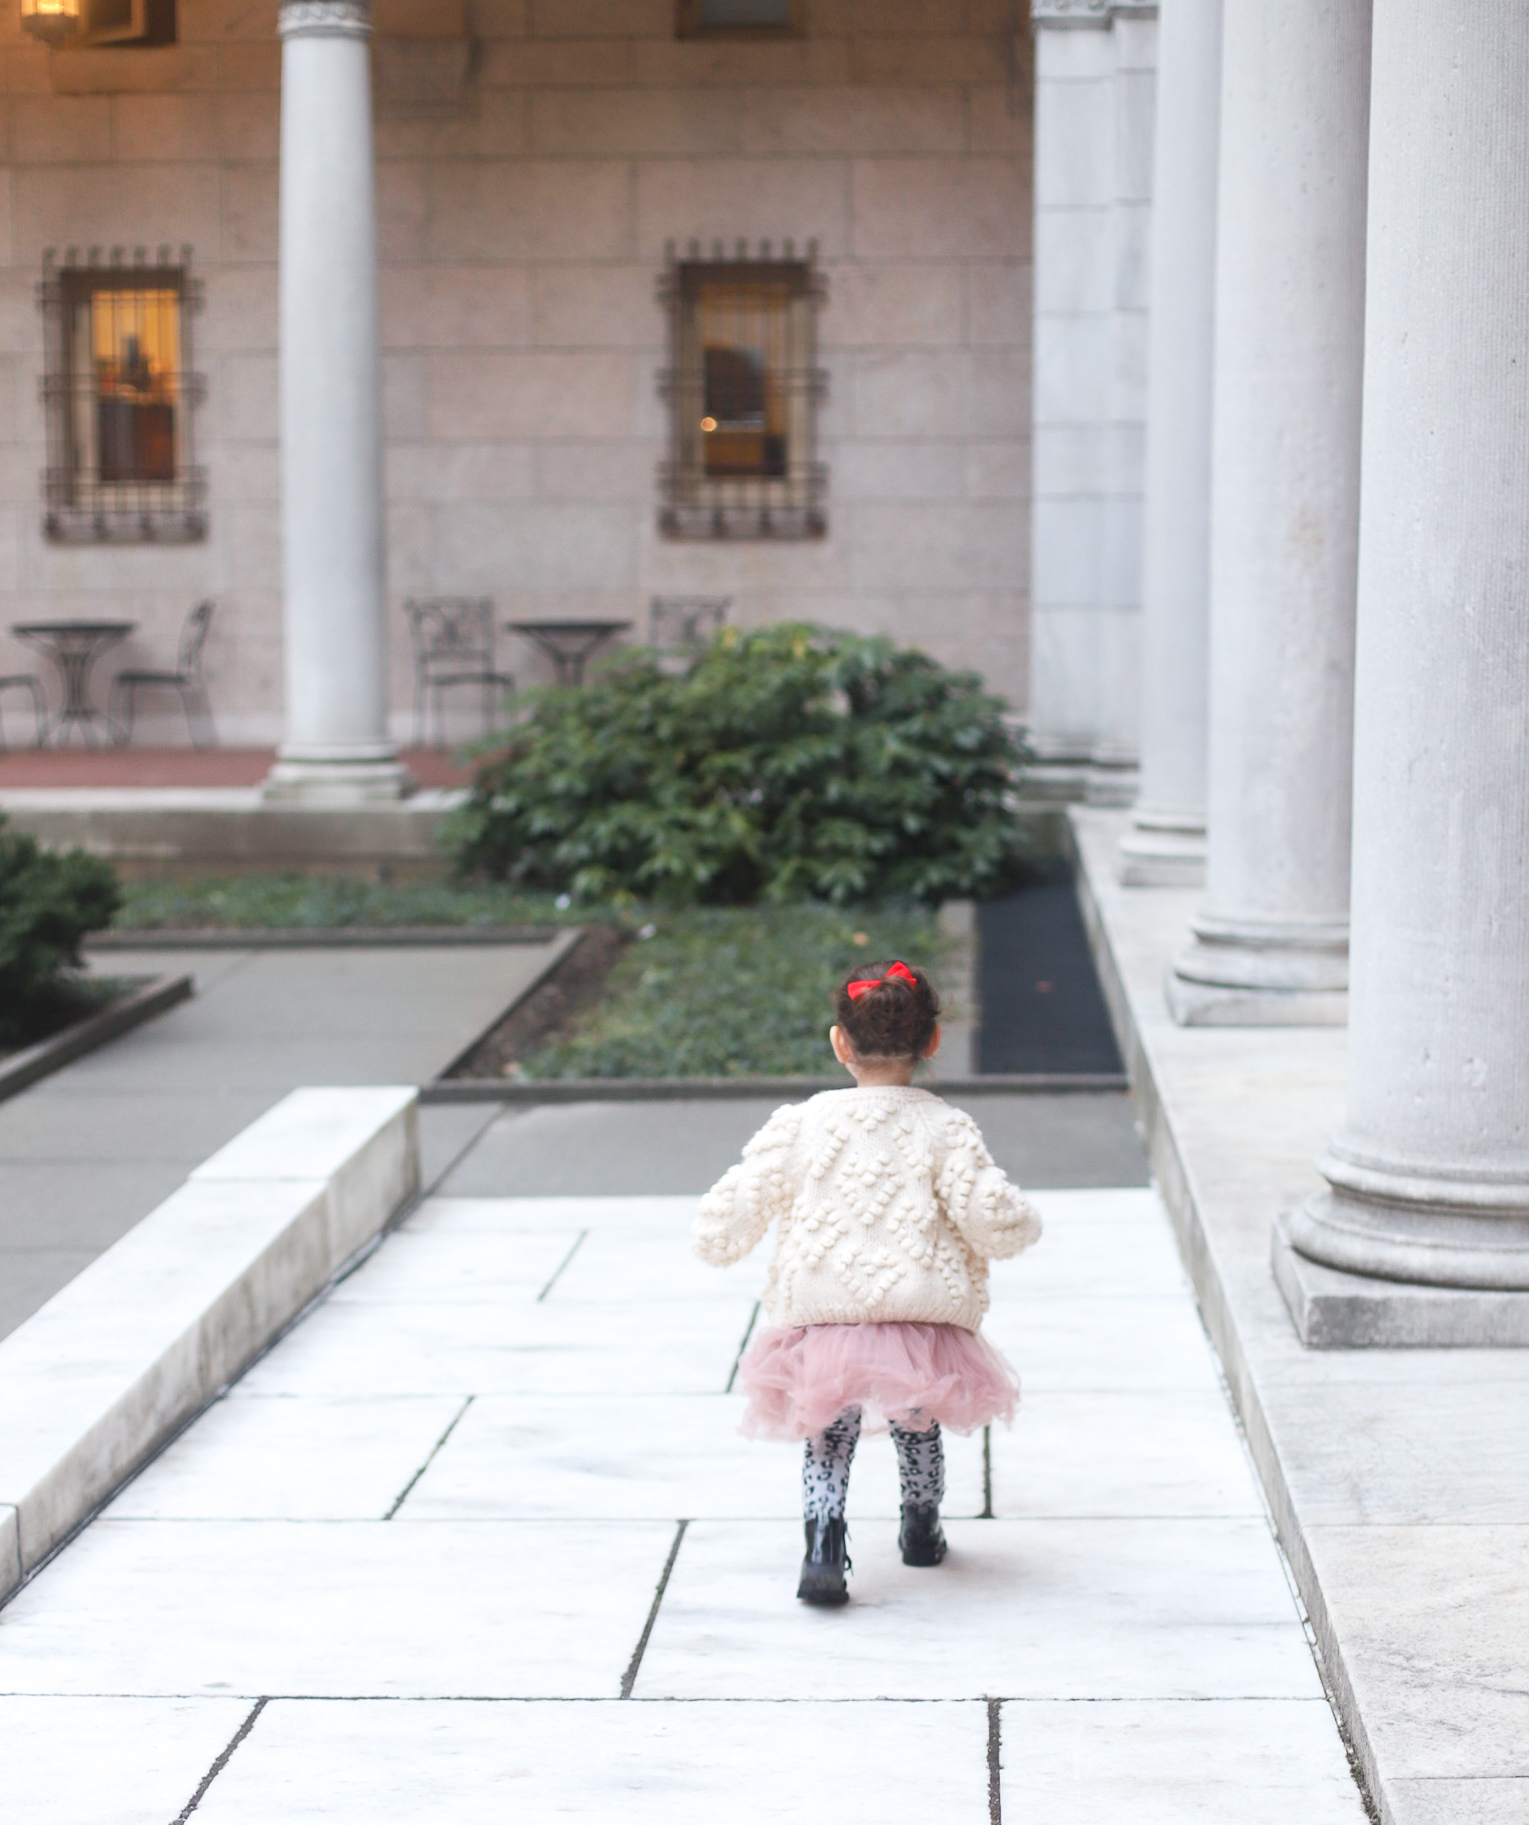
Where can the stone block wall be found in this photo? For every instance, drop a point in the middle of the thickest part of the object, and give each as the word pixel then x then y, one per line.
pixel 527 188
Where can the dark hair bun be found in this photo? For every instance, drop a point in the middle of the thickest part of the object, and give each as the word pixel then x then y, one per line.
pixel 896 1019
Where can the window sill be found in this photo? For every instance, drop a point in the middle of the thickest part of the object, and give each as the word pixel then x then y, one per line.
pixel 156 526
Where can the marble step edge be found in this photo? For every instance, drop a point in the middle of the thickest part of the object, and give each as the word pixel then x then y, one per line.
pixel 153 995
pixel 134 1347
pixel 1176 1182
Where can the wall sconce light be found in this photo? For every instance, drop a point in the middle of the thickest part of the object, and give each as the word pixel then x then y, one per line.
pixel 51 20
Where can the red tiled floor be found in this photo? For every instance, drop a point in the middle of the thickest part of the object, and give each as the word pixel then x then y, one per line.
pixel 182 767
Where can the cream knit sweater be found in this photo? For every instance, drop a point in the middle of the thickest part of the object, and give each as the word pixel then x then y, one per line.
pixel 889 1209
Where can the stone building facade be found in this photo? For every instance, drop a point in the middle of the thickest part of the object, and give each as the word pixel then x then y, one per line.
pixel 533 160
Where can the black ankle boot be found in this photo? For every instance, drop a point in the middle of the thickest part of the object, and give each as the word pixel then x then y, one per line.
pixel 825 1565
pixel 921 1537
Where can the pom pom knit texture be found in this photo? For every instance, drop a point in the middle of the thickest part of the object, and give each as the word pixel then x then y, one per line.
pixel 889 1209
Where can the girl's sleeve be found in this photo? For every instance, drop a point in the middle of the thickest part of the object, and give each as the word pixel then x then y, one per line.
pixel 979 1198
pixel 738 1209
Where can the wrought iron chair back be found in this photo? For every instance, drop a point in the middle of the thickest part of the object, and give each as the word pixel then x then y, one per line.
pixel 453 639
pixel 186 680
pixel 193 639
pixel 679 623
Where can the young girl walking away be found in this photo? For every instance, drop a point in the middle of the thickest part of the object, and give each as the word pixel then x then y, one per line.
pixel 889 1208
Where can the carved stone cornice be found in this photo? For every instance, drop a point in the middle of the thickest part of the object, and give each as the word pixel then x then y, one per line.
pixel 325 19
pixel 1100 14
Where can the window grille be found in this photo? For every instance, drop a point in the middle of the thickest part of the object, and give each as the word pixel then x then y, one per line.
pixel 738 18
pixel 119 399
pixel 743 389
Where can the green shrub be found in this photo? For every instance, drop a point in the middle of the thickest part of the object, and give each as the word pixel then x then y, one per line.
pixel 47 905
pixel 788 763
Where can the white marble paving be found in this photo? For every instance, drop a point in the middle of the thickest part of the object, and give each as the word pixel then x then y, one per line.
pixel 108 1761
pixel 1070 1609
pixel 1122 1452
pixel 663 1456
pixel 337 1609
pixel 269 1458
pixel 639 1764
pixel 1255 1761
pixel 540 1445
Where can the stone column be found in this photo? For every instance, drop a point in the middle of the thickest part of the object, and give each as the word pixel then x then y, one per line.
pixel 1117 743
pixel 1430 1177
pixel 1166 845
pixel 1074 303
pixel 1271 945
pixel 336 748
pixel 1093 113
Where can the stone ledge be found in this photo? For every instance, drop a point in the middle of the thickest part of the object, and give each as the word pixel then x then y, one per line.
pixel 1377 1480
pixel 152 997
pixel 1332 1310
pixel 147 1335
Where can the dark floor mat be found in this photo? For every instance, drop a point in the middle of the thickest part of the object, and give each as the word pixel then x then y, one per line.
pixel 1042 1008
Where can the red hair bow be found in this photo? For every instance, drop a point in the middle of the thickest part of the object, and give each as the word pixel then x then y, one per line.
pixel 899 972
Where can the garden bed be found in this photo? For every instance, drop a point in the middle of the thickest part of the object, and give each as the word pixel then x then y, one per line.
pixel 701 992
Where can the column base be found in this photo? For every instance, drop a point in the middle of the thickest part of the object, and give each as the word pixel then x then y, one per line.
pixel 1426 1232
pixel 1201 1004
pixel 1161 852
pixel 1335 1310
pixel 1252 973
pixel 1070 778
pixel 367 774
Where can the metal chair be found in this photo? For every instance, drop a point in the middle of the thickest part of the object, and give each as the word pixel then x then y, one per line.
pixel 682 623
pixel 453 645
pixel 29 682
pixel 185 679
pixel 680 627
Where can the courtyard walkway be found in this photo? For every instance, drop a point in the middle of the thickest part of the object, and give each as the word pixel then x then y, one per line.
pixel 479 1541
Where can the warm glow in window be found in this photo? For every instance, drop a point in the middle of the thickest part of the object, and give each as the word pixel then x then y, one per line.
pixel 744 392
pixel 119 402
pixel 135 350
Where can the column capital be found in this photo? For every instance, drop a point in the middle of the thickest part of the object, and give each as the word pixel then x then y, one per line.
pixel 325 19
pixel 1100 14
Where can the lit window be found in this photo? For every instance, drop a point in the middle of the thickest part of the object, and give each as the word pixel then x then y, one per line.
pixel 82 24
pixel 743 391
pixel 119 399
pixel 739 18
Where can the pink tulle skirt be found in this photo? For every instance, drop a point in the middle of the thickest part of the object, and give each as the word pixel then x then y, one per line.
pixel 799 1380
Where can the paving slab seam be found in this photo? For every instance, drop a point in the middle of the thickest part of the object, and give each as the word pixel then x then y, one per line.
pixel 994 1761
pixel 435 1451
pixel 1176 1183
pixel 743 1344
pixel 634 1666
pixel 578 1242
pixel 223 1760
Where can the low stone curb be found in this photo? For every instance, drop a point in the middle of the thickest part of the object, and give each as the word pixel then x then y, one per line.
pixel 156 995
pixel 320 937
pixel 707 1089
pixel 140 1341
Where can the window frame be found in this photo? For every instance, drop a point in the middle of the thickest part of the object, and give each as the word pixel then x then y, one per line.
pixel 82 505
pixel 697 500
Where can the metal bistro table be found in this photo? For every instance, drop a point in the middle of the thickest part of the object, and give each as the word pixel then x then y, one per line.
pixel 74 647
pixel 568 644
